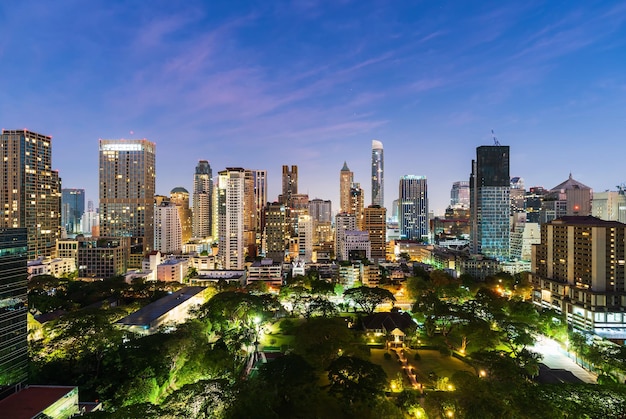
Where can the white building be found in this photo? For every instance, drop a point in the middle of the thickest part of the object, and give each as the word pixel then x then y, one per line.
pixel 168 232
pixel 305 238
pixel 172 270
pixel 357 241
pixel 55 267
pixel 230 214
pixel 265 270
pixel 609 206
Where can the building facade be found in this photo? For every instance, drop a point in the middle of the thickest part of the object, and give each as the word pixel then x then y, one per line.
pixel 490 202
pixel 579 270
pixel 459 194
pixel 168 232
pixel 374 222
pixel 13 310
pixel 275 231
pixel 127 185
pixel 230 214
pixel 203 201
pixel 72 209
pixel 31 190
pixel 413 208
pixel 609 206
pixel 378 172
pixel 346 178
pixel 567 198
pixel 102 257
pixel 290 185
pixel 179 196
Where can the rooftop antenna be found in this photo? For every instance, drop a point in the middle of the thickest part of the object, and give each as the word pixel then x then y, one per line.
pixel 495 140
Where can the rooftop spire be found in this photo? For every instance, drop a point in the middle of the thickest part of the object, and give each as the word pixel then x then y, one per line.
pixel 345 167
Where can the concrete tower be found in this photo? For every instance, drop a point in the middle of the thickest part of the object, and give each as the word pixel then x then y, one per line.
pixel 346 178
pixel 31 190
pixel 413 208
pixel 231 218
pixel 203 203
pixel 179 196
pixel 127 182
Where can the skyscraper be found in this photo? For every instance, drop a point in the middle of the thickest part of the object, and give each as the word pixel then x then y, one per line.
pixel 255 197
pixel 202 225
pixel 378 179
pixel 375 223
pixel 168 231
pixel 275 231
pixel 127 183
pixel 72 209
pixel 346 178
pixel 13 310
pixel 230 213
pixel 413 208
pixel 490 202
pixel 179 196
pixel 356 204
pixel 459 194
pixel 31 190
pixel 290 185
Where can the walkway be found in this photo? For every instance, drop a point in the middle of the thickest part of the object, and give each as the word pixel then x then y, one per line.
pixel 556 357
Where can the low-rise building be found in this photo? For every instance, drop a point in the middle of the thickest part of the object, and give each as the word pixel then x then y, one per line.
pixel 172 270
pixel 265 270
pixel 169 310
pixel 55 267
pixel 102 257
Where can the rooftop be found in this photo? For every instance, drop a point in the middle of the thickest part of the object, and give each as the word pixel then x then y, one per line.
pixel 586 220
pixel 32 401
pixel 153 311
pixel 569 184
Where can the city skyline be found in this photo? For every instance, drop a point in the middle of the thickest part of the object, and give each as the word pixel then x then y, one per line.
pixel 312 84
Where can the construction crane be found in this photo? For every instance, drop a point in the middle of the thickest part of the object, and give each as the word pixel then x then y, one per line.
pixel 621 189
pixel 495 140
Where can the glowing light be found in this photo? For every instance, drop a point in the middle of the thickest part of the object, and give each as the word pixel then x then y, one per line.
pixel 483 373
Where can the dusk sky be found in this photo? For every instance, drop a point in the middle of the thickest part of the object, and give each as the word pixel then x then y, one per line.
pixel 311 83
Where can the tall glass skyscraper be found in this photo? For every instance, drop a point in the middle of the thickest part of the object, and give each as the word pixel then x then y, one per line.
pixel 13 309
pixel 490 202
pixel 413 208
pixel 127 183
pixel 72 209
pixel 378 179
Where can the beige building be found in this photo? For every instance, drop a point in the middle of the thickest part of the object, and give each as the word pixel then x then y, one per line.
pixel 127 184
pixel 267 271
pixel 579 270
pixel 346 178
pixel 55 267
pixel 375 223
pixel 180 197
pixel 172 270
pixel 102 257
pixel 31 190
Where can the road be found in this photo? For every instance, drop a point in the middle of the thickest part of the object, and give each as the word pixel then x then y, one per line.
pixel 556 357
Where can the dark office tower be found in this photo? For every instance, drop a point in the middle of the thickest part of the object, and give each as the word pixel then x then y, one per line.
pixel 30 191
pixel 275 231
pixel 72 209
pixel 127 181
pixel 459 194
pixel 378 178
pixel 346 179
pixel 13 310
pixel 356 204
pixel 203 204
pixel 290 184
pixel 255 198
pixel 490 202
pixel 413 208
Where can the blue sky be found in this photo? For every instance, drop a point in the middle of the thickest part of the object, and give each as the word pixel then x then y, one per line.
pixel 311 83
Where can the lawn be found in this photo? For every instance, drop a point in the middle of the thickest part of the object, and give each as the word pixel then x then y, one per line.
pixel 431 361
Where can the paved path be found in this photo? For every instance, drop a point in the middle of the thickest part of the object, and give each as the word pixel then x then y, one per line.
pixel 556 357
pixel 407 370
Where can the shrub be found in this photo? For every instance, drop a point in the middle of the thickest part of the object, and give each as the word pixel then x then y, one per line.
pixel 387 356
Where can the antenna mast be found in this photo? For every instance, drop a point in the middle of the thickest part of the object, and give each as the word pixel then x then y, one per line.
pixel 495 140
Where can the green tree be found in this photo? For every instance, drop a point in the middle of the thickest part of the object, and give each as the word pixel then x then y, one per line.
pixel 355 379
pixel 368 298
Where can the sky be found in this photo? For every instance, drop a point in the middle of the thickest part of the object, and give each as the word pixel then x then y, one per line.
pixel 310 83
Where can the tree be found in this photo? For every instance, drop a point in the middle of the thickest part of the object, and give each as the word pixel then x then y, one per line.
pixel 369 297
pixel 320 340
pixel 356 379
pixel 320 306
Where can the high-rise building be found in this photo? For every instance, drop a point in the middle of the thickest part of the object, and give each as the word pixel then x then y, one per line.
pixel 275 230
pixel 13 310
pixel 255 197
pixel 179 196
pixel 305 238
pixel 31 190
pixel 230 213
pixel 168 231
pixel 378 178
pixel 72 209
pixel 203 202
pixel 346 179
pixel 518 194
pixel 533 202
pixel 343 224
pixel 290 185
pixel 375 223
pixel 356 204
pixel 490 202
pixel 127 183
pixel 567 198
pixel 321 214
pixel 578 270
pixel 459 194
pixel 413 208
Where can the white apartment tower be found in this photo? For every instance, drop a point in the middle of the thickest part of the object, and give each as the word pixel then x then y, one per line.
pixel 167 228
pixel 231 184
